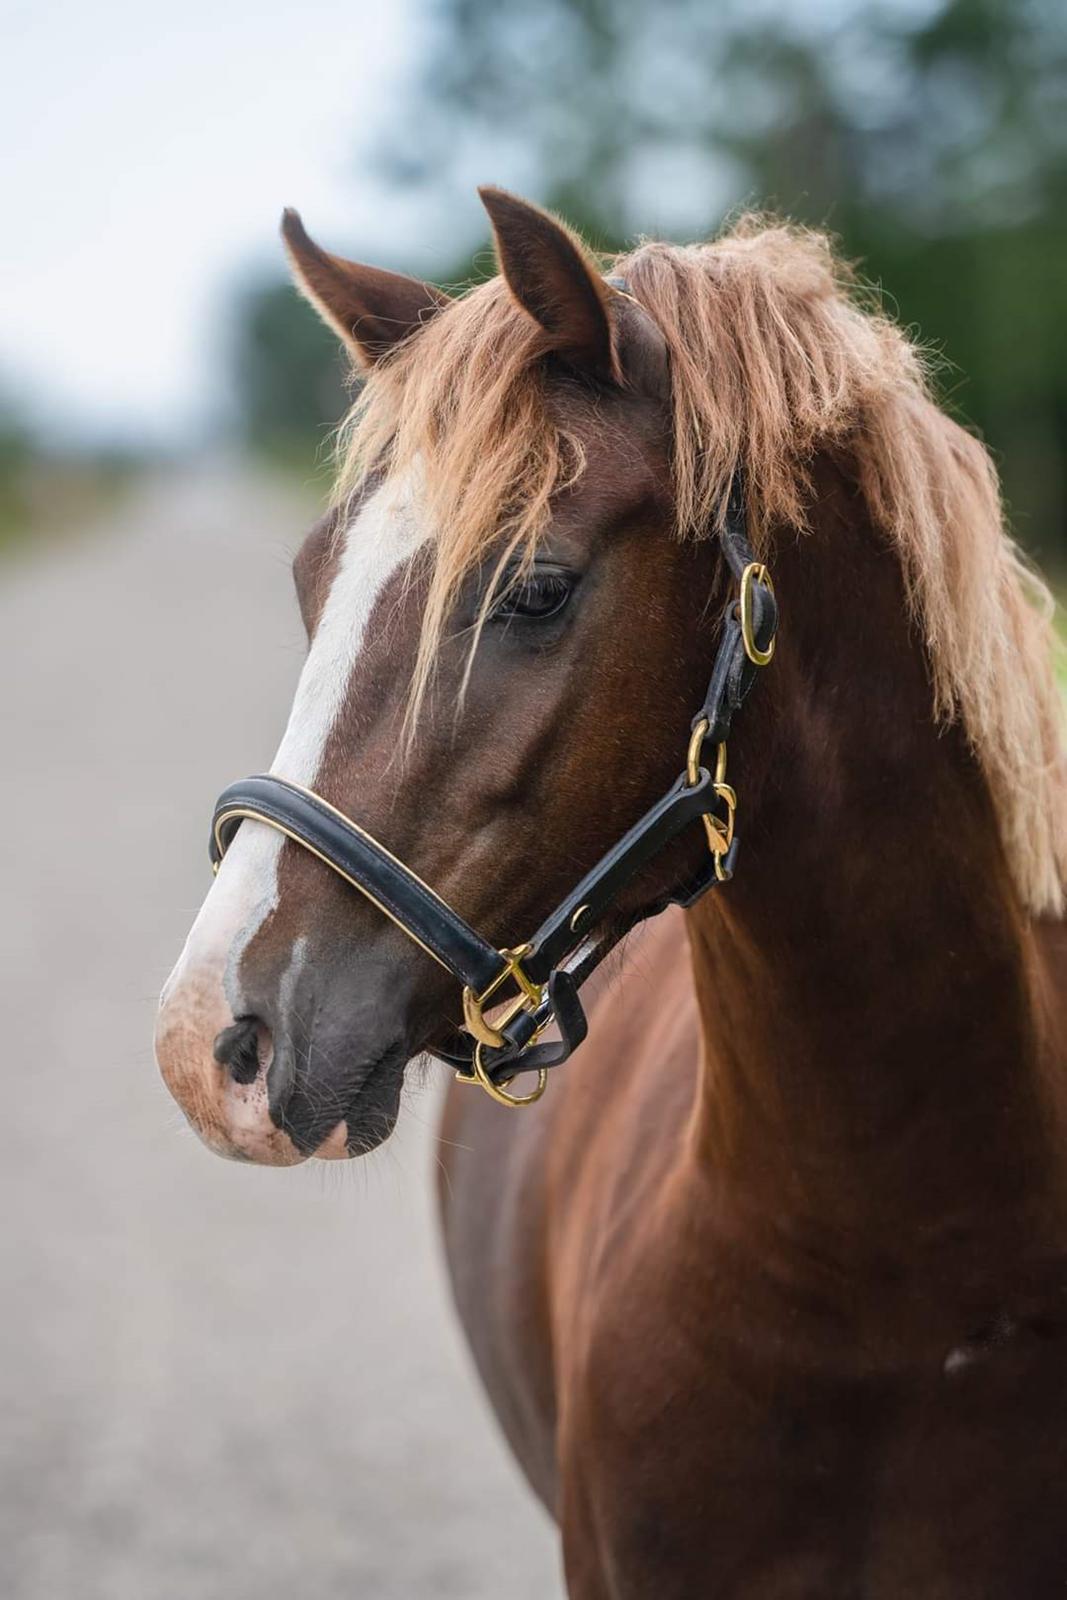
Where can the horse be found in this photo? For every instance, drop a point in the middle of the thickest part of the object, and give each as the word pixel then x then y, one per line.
pixel 768 1290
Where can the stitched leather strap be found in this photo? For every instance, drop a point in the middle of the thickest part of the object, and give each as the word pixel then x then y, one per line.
pixel 365 864
pixel 562 1004
pixel 587 904
pixel 734 673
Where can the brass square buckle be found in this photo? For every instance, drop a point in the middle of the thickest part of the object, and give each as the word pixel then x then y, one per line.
pixel 528 999
pixel 490 1034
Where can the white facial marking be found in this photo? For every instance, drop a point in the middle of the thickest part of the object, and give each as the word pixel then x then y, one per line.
pixel 385 533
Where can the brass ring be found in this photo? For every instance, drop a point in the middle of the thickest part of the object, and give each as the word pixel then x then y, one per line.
pixel 692 757
pixel 501 1095
pixel 755 572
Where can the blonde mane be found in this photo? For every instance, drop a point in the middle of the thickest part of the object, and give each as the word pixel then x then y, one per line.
pixel 774 356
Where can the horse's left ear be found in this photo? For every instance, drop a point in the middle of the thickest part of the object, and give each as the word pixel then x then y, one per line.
pixel 553 278
pixel 370 308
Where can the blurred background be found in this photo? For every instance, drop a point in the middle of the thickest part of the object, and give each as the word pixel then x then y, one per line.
pixel 147 316
pixel 223 1381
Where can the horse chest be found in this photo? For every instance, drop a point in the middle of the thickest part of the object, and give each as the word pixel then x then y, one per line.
pixel 692 1465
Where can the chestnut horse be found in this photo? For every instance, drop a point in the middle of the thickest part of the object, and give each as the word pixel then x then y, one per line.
pixel 769 1291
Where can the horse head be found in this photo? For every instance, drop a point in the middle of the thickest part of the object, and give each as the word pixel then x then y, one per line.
pixel 501 671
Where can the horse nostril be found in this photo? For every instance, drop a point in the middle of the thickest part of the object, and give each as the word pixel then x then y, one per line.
pixel 238 1048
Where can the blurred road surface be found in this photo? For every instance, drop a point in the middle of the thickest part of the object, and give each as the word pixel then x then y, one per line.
pixel 214 1380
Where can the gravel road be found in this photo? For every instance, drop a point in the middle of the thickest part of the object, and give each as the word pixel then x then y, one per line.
pixel 214 1380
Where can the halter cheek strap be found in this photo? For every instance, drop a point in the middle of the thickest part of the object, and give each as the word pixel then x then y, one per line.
pixel 537 982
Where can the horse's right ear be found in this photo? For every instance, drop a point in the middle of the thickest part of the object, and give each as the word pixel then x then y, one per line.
pixel 371 309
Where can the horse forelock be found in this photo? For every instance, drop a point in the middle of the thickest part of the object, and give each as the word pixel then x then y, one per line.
pixel 776 353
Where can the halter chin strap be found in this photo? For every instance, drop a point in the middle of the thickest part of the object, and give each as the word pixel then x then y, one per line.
pixel 537 983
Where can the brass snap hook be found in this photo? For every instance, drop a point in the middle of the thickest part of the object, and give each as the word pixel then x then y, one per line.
pixel 720 833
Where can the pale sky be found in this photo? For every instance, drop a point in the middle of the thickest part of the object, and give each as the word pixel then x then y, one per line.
pixel 147 151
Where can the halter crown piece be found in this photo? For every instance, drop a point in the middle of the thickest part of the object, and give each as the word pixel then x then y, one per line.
pixel 529 986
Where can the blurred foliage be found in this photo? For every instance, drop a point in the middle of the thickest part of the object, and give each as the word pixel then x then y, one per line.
pixel 288 374
pixel 16 453
pixel 929 135
pixel 45 490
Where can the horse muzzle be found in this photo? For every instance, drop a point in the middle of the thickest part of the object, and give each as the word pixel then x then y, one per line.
pixel 312 1066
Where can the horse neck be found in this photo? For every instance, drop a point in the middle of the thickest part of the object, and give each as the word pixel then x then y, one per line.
pixel 865 983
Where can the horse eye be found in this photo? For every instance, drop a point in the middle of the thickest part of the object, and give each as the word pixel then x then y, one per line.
pixel 537 596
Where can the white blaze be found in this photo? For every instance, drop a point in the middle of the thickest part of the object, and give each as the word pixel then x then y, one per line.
pixel 385 533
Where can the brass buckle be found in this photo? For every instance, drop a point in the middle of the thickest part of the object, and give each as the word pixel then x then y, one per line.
pixel 486 1033
pixel 528 999
pixel 755 572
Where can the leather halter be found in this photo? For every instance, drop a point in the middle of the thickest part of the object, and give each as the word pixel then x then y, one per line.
pixel 546 972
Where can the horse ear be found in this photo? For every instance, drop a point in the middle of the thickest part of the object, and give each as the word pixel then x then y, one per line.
pixel 371 309
pixel 554 279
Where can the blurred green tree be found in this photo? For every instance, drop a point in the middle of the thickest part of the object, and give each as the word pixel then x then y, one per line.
pixel 16 455
pixel 929 135
pixel 288 375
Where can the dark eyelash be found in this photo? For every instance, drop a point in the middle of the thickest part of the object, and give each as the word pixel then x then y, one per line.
pixel 537 597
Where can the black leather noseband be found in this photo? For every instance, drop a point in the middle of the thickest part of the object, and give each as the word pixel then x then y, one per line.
pixel 548 970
